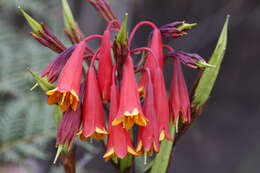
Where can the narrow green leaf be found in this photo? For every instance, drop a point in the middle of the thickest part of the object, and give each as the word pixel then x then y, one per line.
pixel 35 26
pixel 161 161
pixel 43 83
pixel 122 34
pixel 208 77
pixel 68 16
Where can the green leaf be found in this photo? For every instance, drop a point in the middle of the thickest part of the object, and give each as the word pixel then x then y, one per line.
pixel 43 83
pixel 68 17
pixel 36 26
pixel 161 161
pixel 122 34
pixel 208 77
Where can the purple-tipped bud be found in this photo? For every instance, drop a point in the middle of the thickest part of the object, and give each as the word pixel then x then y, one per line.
pixel 171 30
pixel 190 59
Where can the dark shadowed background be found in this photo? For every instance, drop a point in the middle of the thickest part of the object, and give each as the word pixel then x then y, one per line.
pixel 226 138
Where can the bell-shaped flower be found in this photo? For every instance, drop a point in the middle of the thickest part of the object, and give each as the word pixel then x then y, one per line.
pixel 54 69
pixel 152 60
pixel 67 89
pixel 119 139
pixel 161 104
pixel 130 110
pixel 93 123
pixel 105 66
pixel 148 137
pixel 179 95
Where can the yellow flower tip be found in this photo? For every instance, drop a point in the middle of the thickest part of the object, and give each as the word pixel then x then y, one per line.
pixel 130 118
pixel 132 151
pixel 141 120
pixel 162 135
pixel 116 122
pixel 79 133
pixel 108 155
pixel 101 131
pixel 65 99
pixel 139 147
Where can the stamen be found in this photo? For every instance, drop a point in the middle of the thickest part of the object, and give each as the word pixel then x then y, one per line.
pixel 63 98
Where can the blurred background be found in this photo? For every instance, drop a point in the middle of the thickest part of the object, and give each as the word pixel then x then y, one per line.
pixel 226 138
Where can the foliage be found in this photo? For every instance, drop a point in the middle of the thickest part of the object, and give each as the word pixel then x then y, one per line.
pixel 26 123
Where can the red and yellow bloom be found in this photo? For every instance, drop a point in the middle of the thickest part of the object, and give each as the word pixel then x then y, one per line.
pixel 119 139
pixel 148 137
pixel 130 110
pixel 66 93
pixel 93 123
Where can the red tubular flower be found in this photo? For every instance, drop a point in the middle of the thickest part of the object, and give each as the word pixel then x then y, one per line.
pixel 156 45
pixel 161 104
pixel 68 86
pixel 179 95
pixel 130 110
pixel 93 124
pixel 148 137
pixel 119 139
pixel 54 69
pixel 153 60
pixel 105 66
pixel 69 127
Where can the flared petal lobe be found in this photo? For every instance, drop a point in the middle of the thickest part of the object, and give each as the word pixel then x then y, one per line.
pixel 179 95
pixel 130 110
pixel 93 124
pixel 66 93
pixel 119 139
pixel 105 67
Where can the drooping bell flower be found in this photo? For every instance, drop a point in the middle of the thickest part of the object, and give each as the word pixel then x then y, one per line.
pixel 93 123
pixel 153 60
pixel 54 69
pixel 161 104
pixel 105 66
pixel 156 46
pixel 69 127
pixel 68 87
pixel 148 137
pixel 119 139
pixel 179 95
pixel 130 110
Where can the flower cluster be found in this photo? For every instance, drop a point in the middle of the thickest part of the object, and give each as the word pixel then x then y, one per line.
pixel 91 84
